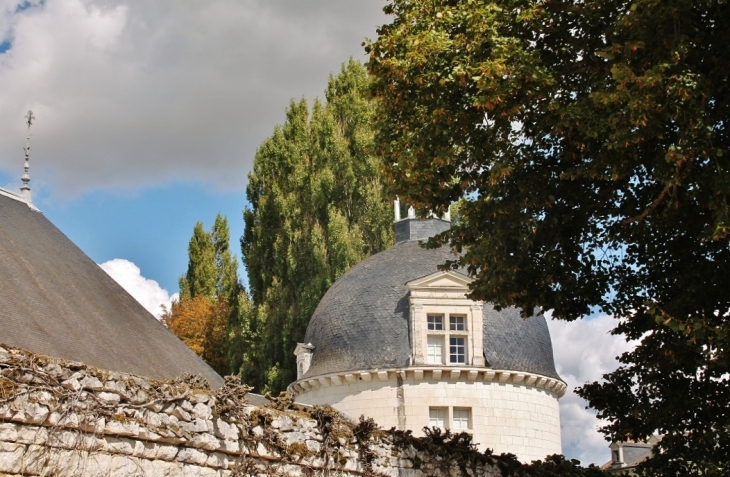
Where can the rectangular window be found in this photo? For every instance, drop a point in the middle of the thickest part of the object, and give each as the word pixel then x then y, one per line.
pixel 435 322
pixel 435 347
pixel 457 350
pixel 461 419
pixel 437 417
pixel 456 323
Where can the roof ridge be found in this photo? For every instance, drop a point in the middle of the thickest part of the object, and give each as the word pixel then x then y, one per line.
pixel 19 198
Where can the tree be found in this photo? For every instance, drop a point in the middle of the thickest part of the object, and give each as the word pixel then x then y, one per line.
pixel 207 316
pixel 587 143
pixel 202 325
pixel 317 207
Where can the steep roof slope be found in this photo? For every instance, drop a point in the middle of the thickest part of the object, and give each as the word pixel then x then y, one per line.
pixel 54 300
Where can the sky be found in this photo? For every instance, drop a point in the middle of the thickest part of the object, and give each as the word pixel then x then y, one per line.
pixel 148 116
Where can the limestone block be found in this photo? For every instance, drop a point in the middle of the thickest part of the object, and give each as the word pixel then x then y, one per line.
pixel 154 406
pixel 181 414
pixel 121 428
pixel 230 446
pixel 161 469
pixel 8 431
pixel 198 425
pixel 224 430
pixel 186 405
pixel 72 384
pixel 165 452
pixel 202 411
pixel 123 465
pixel 282 422
pixel 190 455
pixel 32 435
pixel 69 421
pixel 153 420
pixel 119 388
pixel 4 355
pixel 92 384
pixel 205 441
pixel 32 413
pixel 11 457
pixel 145 433
pixel 119 445
pixel 218 460
pixel 63 439
pixel 313 446
pixel 108 399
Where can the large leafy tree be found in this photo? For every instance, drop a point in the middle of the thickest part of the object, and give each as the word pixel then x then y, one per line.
pixel 317 207
pixel 588 143
pixel 208 315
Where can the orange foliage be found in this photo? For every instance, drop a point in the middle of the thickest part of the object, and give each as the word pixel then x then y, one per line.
pixel 201 325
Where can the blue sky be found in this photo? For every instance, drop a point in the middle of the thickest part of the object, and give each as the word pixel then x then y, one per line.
pixel 148 116
pixel 150 228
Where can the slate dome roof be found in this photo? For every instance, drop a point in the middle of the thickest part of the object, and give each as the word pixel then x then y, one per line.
pixel 362 321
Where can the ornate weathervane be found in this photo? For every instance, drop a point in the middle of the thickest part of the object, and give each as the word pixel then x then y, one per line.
pixel 25 189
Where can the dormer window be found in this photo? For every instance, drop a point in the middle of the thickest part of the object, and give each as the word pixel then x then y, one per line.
pixel 303 353
pixel 446 326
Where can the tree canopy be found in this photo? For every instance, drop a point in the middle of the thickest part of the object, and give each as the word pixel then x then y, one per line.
pixel 588 145
pixel 206 315
pixel 317 207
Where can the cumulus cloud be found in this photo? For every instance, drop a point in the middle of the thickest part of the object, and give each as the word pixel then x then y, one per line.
pixel 132 94
pixel 584 351
pixel 147 292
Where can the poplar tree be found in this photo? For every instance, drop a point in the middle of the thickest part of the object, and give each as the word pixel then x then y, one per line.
pixel 317 207
pixel 206 316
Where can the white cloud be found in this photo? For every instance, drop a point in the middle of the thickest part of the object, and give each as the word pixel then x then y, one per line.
pixel 147 292
pixel 132 94
pixel 584 351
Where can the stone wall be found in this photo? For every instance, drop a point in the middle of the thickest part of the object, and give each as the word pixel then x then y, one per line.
pixel 67 419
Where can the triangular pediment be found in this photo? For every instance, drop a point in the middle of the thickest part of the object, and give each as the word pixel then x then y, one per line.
pixel 442 280
pixel 303 348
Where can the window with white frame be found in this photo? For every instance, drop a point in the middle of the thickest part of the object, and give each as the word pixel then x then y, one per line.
pixel 435 349
pixel 436 322
pixel 457 350
pixel 437 417
pixel 455 337
pixel 456 323
pixel 461 419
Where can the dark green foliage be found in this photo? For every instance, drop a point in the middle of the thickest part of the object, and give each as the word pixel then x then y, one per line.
pixel 317 207
pixel 213 274
pixel 588 143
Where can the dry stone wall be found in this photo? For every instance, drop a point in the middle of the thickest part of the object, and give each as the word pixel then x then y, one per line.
pixel 64 418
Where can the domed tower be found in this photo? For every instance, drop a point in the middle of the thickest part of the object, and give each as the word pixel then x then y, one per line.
pixel 397 340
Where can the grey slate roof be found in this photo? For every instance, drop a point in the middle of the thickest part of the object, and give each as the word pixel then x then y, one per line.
pixel 54 300
pixel 362 321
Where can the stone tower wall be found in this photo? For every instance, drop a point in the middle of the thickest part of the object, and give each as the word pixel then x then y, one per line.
pixel 506 416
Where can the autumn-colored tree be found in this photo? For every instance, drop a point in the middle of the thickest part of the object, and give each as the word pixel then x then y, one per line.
pixel 588 142
pixel 207 315
pixel 202 326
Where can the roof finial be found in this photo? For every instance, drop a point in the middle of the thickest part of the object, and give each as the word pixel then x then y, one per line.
pixel 25 189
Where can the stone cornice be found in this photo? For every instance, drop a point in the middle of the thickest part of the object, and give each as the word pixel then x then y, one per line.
pixel 438 373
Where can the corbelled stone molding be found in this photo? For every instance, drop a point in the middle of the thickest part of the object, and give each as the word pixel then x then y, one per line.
pixel 437 373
